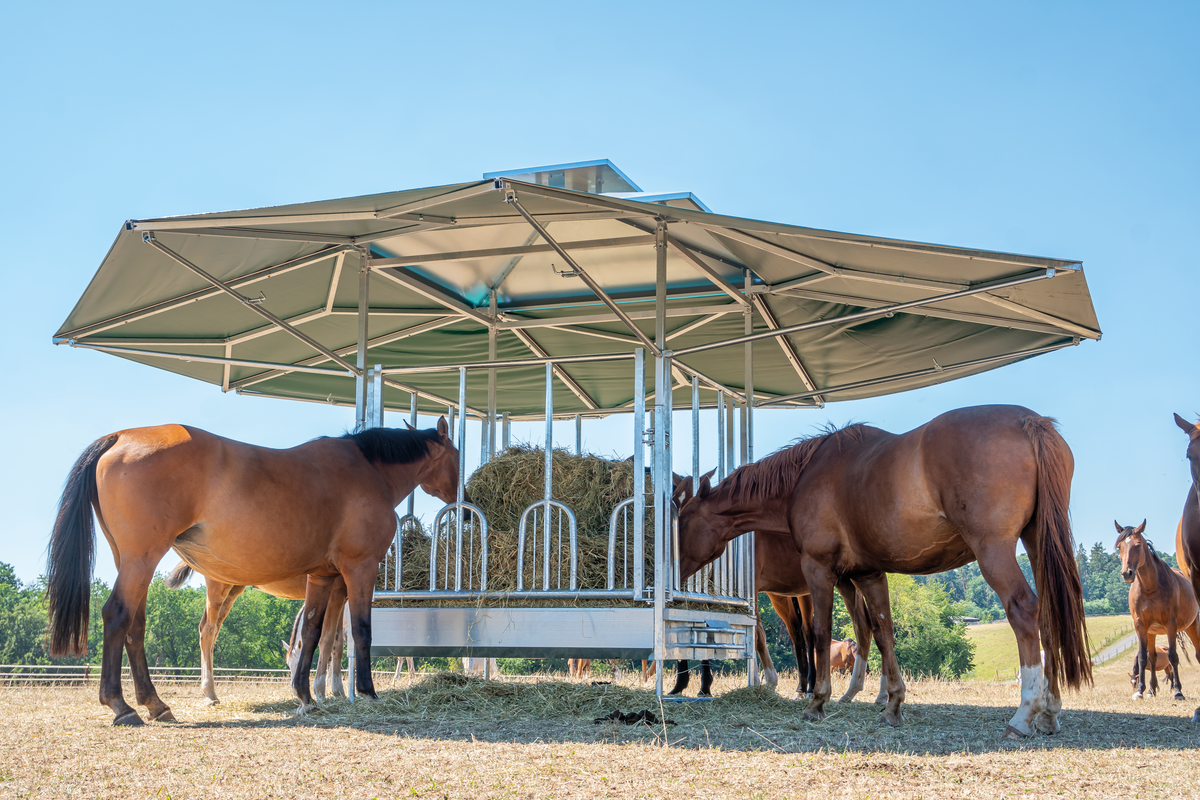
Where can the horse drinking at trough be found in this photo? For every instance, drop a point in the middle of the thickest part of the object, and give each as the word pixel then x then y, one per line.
pixel 1187 542
pixel 1161 602
pixel 968 485
pixel 237 513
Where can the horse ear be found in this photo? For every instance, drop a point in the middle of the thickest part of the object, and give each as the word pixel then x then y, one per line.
pixel 1186 427
pixel 407 425
pixel 705 488
pixel 710 473
pixel 1140 528
pixel 683 491
pixel 286 649
pixel 442 428
pixel 1119 528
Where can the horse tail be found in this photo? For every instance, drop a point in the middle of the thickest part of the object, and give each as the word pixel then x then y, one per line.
pixel 1181 641
pixel 179 576
pixel 1060 593
pixel 72 554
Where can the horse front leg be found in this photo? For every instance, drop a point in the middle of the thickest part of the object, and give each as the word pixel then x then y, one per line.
pixel 770 676
pixel 875 592
pixel 1139 689
pixel 1173 663
pixel 1152 664
pixel 329 658
pixel 820 581
pixel 360 589
pixel 683 676
pixel 316 600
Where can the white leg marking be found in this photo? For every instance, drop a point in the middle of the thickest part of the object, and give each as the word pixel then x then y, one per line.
pixel 1033 701
pixel 857 678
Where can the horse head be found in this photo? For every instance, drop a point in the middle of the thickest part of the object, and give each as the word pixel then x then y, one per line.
pixel 702 531
pixel 439 474
pixel 1193 451
pixel 1131 544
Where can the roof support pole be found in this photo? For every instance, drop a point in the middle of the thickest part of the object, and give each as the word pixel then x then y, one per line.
pixel 882 311
pixel 661 469
pixel 747 540
pixel 364 312
pixel 511 198
pixel 412 496
pixel 490 428
pixel 252 305
pixel 639 474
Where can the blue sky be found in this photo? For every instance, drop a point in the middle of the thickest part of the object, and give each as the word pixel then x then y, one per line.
pixel 1066 130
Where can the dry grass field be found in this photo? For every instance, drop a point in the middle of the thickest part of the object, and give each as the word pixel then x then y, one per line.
pixel 446 736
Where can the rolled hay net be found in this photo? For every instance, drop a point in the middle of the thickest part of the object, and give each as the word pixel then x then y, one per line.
pixel 503 488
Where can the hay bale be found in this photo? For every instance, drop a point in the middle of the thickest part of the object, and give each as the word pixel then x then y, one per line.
pixel 503 489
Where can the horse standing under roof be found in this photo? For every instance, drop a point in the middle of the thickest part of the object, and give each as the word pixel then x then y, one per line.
pixel 237 513
pixel 968 485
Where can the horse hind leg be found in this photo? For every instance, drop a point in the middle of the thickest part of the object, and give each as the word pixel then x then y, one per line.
pixel 120 613
pixel 135 645
pixel 218 600
pixel 875 592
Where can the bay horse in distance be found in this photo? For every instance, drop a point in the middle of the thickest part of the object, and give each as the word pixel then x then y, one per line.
pixel 968 485
pixel 237 513
pixel 1161 602
pixel 1187 548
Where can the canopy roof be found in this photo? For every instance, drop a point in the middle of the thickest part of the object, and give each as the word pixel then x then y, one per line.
pixel 266 301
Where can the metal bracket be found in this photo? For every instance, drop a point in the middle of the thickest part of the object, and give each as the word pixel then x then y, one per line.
pixel 565 273
pixel 147 237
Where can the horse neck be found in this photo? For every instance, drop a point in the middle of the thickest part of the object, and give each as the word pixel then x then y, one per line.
pixel 1148 572
pixel 401 479
pixel 746 514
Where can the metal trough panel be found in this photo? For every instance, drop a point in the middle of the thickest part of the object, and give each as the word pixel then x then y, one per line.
pixel 513 632
pixel 706 634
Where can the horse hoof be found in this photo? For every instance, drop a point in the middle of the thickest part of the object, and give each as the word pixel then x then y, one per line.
pixel 129 718
pixel 1196 716
pixel 1137 695
pixel 1012 733
pixel 814 716
pixel 1048 726
pixel 212 701
pixel 881 700
pixel 164 716
pixel 1179 696
pixel 894 720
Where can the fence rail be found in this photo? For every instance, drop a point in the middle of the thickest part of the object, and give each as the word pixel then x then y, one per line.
pixel 53 674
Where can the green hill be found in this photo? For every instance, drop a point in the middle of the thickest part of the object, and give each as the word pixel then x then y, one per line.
pixel 996 646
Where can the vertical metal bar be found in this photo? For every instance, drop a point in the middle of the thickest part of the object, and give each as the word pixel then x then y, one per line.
pixel 639 472
pixel 462 478
pixel 695 432
pixel 748 448
pixel 491 425
pixel 507 424
pixel 364 311
pixel 351 653
pixel 671 552
pixel 662 513
pixel 450 414
pixel 578 434
pixel 412 420
pixel 549 477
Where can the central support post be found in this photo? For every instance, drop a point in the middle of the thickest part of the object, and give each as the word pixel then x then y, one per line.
pixel 747 544
pixel 549 477
pixel 663 571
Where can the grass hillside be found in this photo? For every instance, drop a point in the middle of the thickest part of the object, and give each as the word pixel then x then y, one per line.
pixel 996 646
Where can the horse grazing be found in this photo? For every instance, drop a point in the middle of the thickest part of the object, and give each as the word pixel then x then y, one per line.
pixel 219 599
pixel 239 514
pixel 1187 542
pixel 842 655
pixel 1161 602
pixel 861 502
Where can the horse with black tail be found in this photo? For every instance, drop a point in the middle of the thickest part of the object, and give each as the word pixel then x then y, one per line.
pixel 239 514
pixel 861 502
pixel 1187 541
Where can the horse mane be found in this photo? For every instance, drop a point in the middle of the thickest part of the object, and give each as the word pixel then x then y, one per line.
pixel 780 471
pixel 393 445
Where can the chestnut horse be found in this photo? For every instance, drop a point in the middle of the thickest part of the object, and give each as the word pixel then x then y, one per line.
pixel 237 513
pixel 218 600
pixel 861 502
pixel 1161 602
pixel 1187 542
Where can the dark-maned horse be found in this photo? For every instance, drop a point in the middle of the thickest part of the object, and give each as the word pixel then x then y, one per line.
pixel 1161 602
pixel 239 514
pixel 1187 542
pixel 861 502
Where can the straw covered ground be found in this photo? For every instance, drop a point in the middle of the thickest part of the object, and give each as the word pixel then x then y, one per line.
pixel 447 736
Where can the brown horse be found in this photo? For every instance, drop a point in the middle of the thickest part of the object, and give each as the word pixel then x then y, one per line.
pixel 1187 542
pixel 861 502
pixel 1162 604
pixel 240 514
pixel 1160 662
pixel 219 598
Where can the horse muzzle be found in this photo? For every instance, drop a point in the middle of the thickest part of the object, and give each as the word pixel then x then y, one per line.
pixel 1127 575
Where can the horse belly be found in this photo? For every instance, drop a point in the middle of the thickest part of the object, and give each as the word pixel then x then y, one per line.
pixel 238 561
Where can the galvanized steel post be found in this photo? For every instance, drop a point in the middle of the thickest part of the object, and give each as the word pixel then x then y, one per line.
pixel 639 472
pixel 364 311
pixel 549 475
pixel 661 469
pixel 462 477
